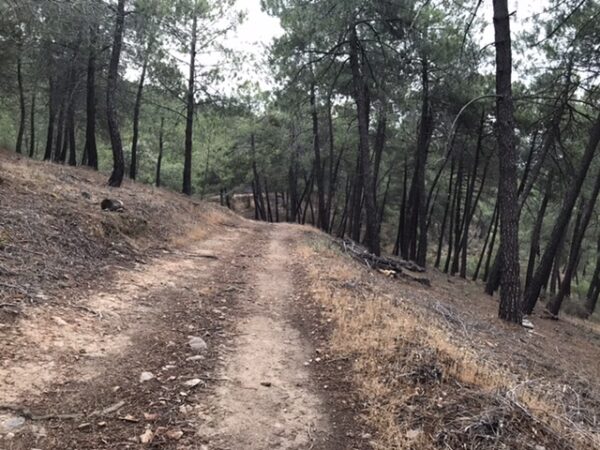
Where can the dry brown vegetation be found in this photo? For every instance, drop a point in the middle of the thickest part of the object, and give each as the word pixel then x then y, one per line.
pixel 437 370
pixel 54 235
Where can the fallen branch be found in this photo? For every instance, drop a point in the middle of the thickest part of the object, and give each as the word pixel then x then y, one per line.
pixel 393 266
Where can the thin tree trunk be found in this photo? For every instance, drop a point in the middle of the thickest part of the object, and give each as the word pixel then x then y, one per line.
pixel 71 136
pixel 417 211
pixel 51 119
pixel 402 218
pixel 160 150
pixel 447 208
pixel 486 272
pixel 32 127
pixel 593 292
pixel 19 145
pixel 136 120
pixel 116 178
pixel 90 152
pixel 458 217
pixel 362 107
pixel 189 121
pixel 321 207
pixel 60 128
pixel 486 242
pixel 534 248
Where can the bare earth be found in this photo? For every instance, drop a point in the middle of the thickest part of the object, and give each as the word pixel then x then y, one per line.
pixel 71 365
pixel 264 400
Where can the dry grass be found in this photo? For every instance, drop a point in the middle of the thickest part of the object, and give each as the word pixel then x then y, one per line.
pixel 436 375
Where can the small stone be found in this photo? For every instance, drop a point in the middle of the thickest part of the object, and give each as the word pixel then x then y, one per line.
pixel 150 417
pixel 175 435
pixel 147 437
pixel 413 434
pixel 60 321
pixel 146 376
pixel 101 424
pixel 195 358
pixel 9 423
pixel 266 384
pixel 185 409
pixel 198 344
pixel 193 383
pixel 527 324
pixel 83 426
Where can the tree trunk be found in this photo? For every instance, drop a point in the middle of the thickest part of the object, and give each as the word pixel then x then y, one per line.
pixel 458 217
pixel 417 211
pixel 510 289
pixel 51 118
pixel 470 203
pixel 356 203
pixel 534 248
pixel 556 303
pixel 116 178
pixel 160 150
pixel 486 242
pixel 19 145
pixel 594 290
pixel 486 271
pixel 136 121
pixel 71 135
pixel 402 218
pixel 362 107
pixel 447 208
pixel 60 128
pixel 543 271
pixel 323 223
pixel 32 127
pixel 189 122
pixel 90 151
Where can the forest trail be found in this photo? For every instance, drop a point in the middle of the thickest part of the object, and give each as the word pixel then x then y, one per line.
pixel 128 375
pixel 266 400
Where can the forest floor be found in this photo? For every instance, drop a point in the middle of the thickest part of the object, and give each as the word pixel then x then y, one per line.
pixel 180 325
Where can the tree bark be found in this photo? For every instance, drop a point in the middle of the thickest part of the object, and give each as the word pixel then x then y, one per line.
pixel 136 121
pixel 189 122
pixel 362 107
pixel 32 127
pixel 510 289
pixel 323 221
pixel 161 145
pixel 71 136
pixel 447 208
pixel 416 210
pixel 51 119
pixel 90 151
pixel 19 144
pixel 534 248
pixel 116 178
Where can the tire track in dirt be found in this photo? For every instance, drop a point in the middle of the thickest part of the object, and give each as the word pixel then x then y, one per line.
pixel 265 400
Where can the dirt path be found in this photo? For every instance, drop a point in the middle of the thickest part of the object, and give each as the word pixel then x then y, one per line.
pixel 75 377
pixel 265 400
